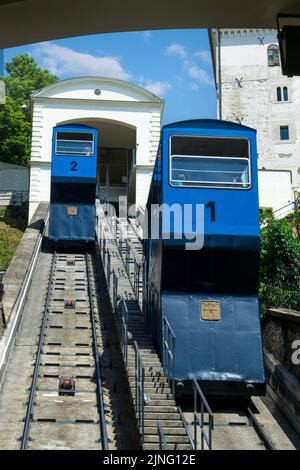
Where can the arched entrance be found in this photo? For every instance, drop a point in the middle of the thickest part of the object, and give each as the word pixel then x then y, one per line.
pixel 128 121
pixel 116 157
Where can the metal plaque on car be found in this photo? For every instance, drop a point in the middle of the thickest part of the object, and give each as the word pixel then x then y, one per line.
pixel 72 210
pixel 210 310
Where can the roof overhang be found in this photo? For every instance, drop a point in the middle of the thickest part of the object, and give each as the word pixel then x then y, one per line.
pixel 30 21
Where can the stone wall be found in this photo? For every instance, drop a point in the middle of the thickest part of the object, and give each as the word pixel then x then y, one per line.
pixel 280 329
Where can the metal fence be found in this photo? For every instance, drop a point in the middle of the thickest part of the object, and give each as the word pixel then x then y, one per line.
pixel 13 198
pixel 286 210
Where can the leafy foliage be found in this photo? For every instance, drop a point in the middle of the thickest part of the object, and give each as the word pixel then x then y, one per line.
pixel 24 76
pixel 280 265
pixel 14 134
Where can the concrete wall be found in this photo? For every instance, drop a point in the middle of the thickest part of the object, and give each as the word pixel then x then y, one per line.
pixel 74 100
pixel 248 95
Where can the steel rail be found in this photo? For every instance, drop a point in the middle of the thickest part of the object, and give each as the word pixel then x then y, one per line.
pixel 101 409
pixel 28 416
pixel 259 430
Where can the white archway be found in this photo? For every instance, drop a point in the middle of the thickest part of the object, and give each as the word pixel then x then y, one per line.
pixel 127 117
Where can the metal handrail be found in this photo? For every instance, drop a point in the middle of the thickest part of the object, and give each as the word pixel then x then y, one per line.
pixel 115 291
pixel 163 445
pixel 124 313
pixel 138 281
pixel 139 390
pixel 169 344
pixel 186 427
pixel 104 251
pixel 199 420
pixel 108 270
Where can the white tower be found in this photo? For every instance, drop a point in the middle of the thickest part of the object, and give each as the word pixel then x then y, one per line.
pixel 253 91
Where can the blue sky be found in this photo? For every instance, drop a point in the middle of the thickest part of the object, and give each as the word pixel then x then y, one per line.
pixel 174 64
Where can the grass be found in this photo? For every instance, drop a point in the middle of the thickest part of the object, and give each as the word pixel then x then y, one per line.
pixel 13 222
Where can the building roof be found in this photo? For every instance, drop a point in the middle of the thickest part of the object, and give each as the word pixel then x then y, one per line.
pixel 111 89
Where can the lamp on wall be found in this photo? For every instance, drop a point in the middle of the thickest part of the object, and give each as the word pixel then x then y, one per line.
pixel 288 27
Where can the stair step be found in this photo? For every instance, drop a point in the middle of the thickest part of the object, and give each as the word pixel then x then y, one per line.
pixel 158 387
pixel 166 423
pixel 168 431
pixel 160 415
pixel 161 409
pixel 170 439
pixel 160 402
pixel 175 446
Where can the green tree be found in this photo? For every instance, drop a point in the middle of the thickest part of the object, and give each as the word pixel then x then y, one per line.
pixel 14 134
pixel 24 77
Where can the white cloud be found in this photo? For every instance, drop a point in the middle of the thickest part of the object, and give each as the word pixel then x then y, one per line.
pixel 147 35
pixel 203 55
pixel 200 75
pixel 194 86
pixel 177 50
pixel 64 61
pixel 159 88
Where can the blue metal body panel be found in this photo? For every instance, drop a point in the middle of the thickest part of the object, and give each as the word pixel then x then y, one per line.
pixel 228 350
pixel 65 227
pixel 73 188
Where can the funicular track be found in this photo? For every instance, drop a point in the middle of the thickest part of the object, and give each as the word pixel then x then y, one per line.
pixel 236 426
pixel 73 342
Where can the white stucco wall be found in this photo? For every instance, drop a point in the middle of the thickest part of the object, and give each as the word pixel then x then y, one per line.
pixel 275 189
pixel 255 104
pixel 75 100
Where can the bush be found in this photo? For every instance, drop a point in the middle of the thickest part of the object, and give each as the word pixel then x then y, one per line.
pixel 280 265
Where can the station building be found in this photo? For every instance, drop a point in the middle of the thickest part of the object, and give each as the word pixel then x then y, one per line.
pixel 252 91
pixel 128 119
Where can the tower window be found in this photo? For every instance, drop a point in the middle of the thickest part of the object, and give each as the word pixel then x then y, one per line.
pixel 273 55
pixel 282 93
pixel 284 133
pixel 279 97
